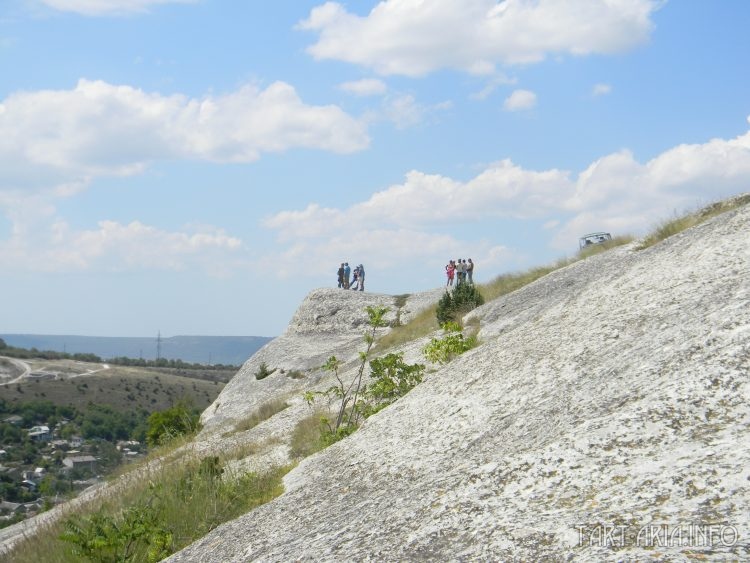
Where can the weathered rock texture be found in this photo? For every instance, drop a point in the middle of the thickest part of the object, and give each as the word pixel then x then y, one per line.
pixel 609 396
pixel 328 322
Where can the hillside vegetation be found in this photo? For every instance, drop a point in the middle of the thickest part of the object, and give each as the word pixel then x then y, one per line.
pixel 123 388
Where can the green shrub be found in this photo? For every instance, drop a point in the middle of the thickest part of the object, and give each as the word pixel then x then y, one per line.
pixel 164 426
pixel 263 371
pixel 331 436
pixel 443 350
pixel 393 379
pixel 354 400
pixel 456 303
pixel 179 505
pixel 136 535
pixel 347 419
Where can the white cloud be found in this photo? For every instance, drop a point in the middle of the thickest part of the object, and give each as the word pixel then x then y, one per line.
pixel 385 251
pixel 409 37
pixel 601 89
pixel 365 87
pixel 404 111
pixel 497 80
pixel 428 200
pixel 52 246
pixel 520 100
pixel 615 193
pixel 108 7
pixel 53 136
pixel 54 143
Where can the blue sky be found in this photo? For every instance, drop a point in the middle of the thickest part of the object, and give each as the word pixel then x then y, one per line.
pixel 197 167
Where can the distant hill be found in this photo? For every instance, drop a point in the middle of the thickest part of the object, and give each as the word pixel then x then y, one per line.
pixel 232 350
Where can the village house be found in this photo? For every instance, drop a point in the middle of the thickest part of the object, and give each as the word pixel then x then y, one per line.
pixel 80 462
pixel 40 434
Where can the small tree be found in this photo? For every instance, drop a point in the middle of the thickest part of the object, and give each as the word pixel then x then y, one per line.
pixel 456 303
pixel 347 416
pixel 393 379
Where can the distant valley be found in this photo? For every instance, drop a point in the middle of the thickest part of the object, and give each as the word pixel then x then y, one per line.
pixel 228 350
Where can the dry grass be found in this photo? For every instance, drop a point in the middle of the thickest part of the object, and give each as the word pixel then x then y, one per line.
pixel 594 249
pixel 306 437
pixel 425 322
pixel 507 283
pixel 421 325
pixel 677 224
pixel 170 452
pixel 263 412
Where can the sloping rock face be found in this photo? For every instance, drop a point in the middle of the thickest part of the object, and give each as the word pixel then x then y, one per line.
pixel 328 322
pixel 605 417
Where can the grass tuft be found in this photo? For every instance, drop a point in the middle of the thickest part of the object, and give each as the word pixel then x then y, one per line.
pixel 677 224
pixel 507 283
pixel 423 323
pixel 264 412
pixel 307 437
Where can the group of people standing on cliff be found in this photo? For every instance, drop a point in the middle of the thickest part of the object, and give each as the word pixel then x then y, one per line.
pixel 351 280
pixel 460 270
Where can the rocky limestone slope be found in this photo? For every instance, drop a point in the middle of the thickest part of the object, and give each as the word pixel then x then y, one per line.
pixel 328 322
pixel 604 417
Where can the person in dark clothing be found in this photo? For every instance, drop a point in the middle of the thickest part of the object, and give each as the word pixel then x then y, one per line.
pixel 341 276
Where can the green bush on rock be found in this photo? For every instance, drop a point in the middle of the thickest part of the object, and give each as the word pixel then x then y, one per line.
pixel 457 302
pixel 263 371
pixel 443 350
pixel 354 400
pixel 393 379
pixel 164 426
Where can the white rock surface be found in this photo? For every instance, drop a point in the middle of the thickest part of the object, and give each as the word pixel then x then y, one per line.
pixel 607 397
pixel 328 322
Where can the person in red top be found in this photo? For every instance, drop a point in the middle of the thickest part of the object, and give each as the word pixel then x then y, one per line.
pixel 450 271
